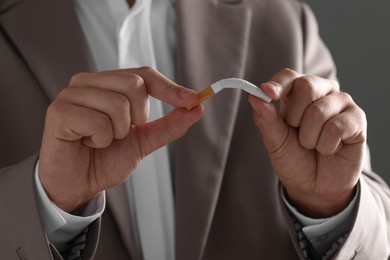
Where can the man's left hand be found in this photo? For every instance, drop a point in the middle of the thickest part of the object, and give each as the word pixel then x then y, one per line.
pixel 316 141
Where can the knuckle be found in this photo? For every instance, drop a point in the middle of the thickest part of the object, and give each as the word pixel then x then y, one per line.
pixel 304 84
pixel 120 103
pixel 78 77
pixel 361 117
pixel 151 73
pixel 62 94
pixel 304 88
pixel 65 94
pixel 148 69
pixel 54 110
pixel 135 80
pixel 316 112
pixel 334 128
pixel 288 72
pixel 335 83
pixel 362 114
pixel 101 123
pixel 347 97
pixel 136 84
pixel 358 111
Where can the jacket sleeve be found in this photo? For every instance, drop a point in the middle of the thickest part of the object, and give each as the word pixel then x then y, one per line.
pixel 369 235
pixel 22 233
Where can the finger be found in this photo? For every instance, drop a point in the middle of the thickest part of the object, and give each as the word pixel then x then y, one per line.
pixel 167 129
pixel 295 92
pixel 273 129
pixel 69 122
pixel 349 127
pixel 115 105
pixel 162 88
pixel 281 83
pixel 156 84
pixel 317 114
pixel 304 92
pixel 129 85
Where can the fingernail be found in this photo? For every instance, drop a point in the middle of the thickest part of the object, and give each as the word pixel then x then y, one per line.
pixel 185 92
pixel 273 89
pixel 276 86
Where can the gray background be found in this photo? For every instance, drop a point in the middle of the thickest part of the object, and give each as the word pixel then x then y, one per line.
pixel 358 35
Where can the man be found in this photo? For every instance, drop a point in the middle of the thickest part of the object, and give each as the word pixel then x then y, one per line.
pixel 227 159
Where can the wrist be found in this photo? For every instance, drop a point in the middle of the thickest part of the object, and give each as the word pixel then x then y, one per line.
pixel 66 202
pixel 319 205
pixel 67 197
pixel 69 200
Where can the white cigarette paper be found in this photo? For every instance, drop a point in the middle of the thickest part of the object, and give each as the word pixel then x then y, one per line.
pixel 230 83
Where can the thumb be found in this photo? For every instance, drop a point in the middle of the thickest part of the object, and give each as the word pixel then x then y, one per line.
pixel 160 132
pixel 272 127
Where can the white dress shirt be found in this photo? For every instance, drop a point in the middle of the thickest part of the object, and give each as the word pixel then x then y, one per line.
pixel 120 37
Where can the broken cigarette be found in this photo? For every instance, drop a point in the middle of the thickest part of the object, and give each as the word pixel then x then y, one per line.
pixel 229 83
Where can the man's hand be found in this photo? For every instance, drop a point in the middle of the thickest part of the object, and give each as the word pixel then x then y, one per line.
pixel 316 142
pixel 96 131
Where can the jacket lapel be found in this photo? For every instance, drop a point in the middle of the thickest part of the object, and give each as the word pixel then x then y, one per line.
pixel 51 56
pixel 212 37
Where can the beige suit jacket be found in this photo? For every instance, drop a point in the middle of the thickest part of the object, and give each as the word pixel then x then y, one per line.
pixel 226 195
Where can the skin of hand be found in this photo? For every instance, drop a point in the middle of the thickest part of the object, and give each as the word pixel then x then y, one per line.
pixel 96 131
pixel 316 141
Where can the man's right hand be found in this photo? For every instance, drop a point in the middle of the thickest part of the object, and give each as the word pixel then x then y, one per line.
pixel 96 131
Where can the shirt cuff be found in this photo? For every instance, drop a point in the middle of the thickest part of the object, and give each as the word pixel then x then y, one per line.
pixel 324 232
pixel 60 226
